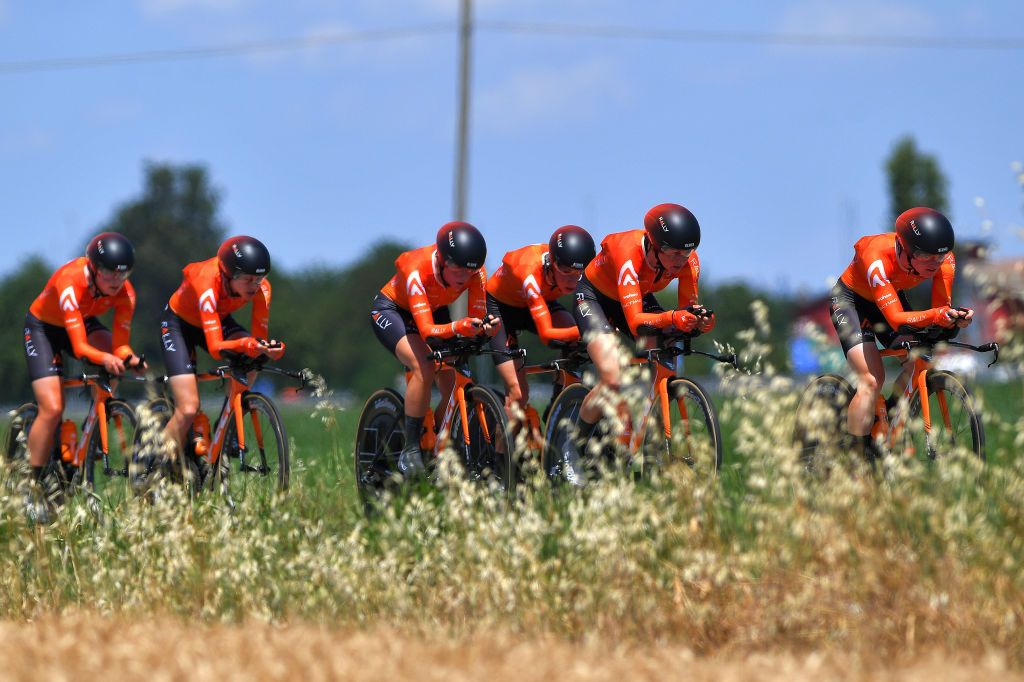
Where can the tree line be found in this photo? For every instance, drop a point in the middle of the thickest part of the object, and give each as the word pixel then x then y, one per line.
pixel 321 312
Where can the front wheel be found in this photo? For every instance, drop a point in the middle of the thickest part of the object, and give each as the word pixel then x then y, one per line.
pixel 820 432
pixel 57 475
pixel 560 444
pixel 956 427
pixel 264 457
pixel 696 440
pixel 489 455
pixel 380 438
pixel 113 464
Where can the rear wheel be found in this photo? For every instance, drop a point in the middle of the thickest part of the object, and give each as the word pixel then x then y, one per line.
pixel 560 430
pixel 956 427
pixel 264 460
pixel 380 437
pixel 105 471
pixel 489 456
pixel 57 476
pixel 151 459
pixel 820 430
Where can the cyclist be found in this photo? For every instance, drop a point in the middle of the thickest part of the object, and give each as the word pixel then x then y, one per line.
pixel 63 318
pixel 412 310
pixel 522 293
pixel 868 302
pixel 616 292
pixel 199 313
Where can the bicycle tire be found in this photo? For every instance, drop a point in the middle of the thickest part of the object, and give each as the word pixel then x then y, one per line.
pixel 380 438
pixel 16 444
pixel 149 463
pixel 968 432
pixel 695 442
pixel 119 447
pixel 820 429
pixel 261 407
pixel 563 415
pixel 56 477
pixel 489 457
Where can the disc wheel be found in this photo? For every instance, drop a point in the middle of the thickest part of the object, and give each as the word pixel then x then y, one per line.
pixel 820 430
pixel 380 437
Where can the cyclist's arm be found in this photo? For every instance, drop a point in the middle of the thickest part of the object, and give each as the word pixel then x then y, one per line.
pixel 901 320
pixel 542 320
pixel 74 325
pixel 477 304
pixel 124 309
pixel 633 307
pixel 419 307
pixel 261 312
pixel 942 283
pixel 214 333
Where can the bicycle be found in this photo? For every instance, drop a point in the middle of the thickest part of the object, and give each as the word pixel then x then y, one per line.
pixel 821 433
pixel 650 438
pixel 208 456
pixel 474 414
pixel 77 457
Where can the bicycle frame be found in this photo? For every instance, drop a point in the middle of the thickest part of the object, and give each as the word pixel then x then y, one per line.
pixel 100 391
pixel 455 360
pixel 661 359
pixel 918 383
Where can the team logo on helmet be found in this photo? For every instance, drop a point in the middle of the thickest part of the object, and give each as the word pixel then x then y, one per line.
pixel 913 226
pixel 451 238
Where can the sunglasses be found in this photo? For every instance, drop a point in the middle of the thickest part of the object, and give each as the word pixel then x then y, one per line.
pixel 567 272
pixel 929 258
pixel 113 275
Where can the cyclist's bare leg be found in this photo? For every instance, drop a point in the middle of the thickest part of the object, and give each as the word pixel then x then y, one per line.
pixel 605 353
pixel 866 362
pixel 185 389
pixel 517 391
pixel 413 352
pixel 50 399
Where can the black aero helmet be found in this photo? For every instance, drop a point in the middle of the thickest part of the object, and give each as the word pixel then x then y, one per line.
pixel 672 226
pixel 571 247
pixel 243 256
pixel 111 251
pixel 924 230
pixel 462 244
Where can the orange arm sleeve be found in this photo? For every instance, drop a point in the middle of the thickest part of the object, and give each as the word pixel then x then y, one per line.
pixel 124 309
pixel 261 312
pixel 74 324
pixel 477 306
pixel 419 306
pixel 632 302
pixel 898 318
pixel 942 283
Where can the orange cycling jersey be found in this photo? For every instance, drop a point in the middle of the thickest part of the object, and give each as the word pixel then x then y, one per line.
pixel 203 300
pixel 520 282
pixel 621 272
pixel 416 287
pixel 70 297
pixel 875 275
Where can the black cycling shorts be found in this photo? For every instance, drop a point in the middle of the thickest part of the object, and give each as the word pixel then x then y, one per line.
pixel 392 323
pixel 858 320
pixel 596 313
pixel 180 340
pixel 44 344
pixel 513 321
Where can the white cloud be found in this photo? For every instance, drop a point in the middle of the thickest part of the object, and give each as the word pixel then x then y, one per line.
pixel 560 95
pixel 158 7
pixel 871 17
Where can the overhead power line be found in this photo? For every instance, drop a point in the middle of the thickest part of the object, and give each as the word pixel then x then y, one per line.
pixel 750 37
pixel 225 50
pixel 814 40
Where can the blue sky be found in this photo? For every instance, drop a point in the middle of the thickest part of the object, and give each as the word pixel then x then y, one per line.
pixel 777 149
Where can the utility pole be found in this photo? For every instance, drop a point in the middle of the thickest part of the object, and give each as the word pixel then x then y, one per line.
pixel 460 306
pixel 462 131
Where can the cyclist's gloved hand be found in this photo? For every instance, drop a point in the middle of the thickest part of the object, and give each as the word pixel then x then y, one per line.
pixel 273 349
pixel 944 316
pixel 683 320
pixel 966 316
pixel 247 344
pixel 113 364
pixel 137 363
pixel 492 323
pixel 706 323
pixel 467 326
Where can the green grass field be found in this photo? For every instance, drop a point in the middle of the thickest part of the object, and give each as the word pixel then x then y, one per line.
pixel 926 559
